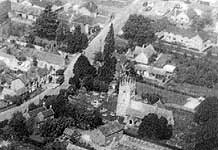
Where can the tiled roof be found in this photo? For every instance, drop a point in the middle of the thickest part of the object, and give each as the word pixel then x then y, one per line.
pixel 139 110
pixel 91 6
pixel 84 20
pixel 179 31
pixel 45 56
pixel 29 10
pixel 191 33
pixel 111 128
pixel 35 112
pixel 48 113
pixel 148 51
pixel 162 60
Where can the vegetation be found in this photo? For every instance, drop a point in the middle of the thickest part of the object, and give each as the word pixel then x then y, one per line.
pixel 18 126
pixel 206 110
pixel 107 71
pixel 139 29
pixel 77 41
pixel 152 98
pixel 200 72
pixel 155 128
pixel 46 24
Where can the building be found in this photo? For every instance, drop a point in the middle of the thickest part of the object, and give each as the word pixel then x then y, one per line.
pixel 105 134
pixel 161 75
pixel 192 40
pixel 88 9
pixel 133 111
pixel 24 13
pixel 88 24
pixel 40 115
pixel 5 7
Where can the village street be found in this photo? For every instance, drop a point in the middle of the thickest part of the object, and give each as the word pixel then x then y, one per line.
pixel 94 46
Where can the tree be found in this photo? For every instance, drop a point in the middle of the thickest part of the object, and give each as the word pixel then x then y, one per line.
pixel 58 103
pixel 139 29
pixel 61 32
pixel 207 135
pixel 109 46
pixel 82 68
pixel 155 128
pixel 46 24
pixel 18 126
pixel 55 127
pixel 98 57
pixel 206 110
pixel 107 71
pixel 152 98
pixel 77 41
pixel 75 81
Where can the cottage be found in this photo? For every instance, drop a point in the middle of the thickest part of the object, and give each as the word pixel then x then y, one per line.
pixel 105 134
pixel 24 13
pixel 195 41
pixel 158 74
pixel 88 9
pixel 40 115
pixel 143 54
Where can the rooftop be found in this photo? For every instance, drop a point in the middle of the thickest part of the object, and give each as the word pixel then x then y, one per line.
pixel 48 113
pixel 29 10
pixel 91 6
pixel 34 112
pixel 148 51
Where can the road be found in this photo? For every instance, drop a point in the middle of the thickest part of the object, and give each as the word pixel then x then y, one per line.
pixel 94 46
pixel 118 23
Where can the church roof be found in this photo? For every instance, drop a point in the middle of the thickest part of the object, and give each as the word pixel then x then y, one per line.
pixel 139 110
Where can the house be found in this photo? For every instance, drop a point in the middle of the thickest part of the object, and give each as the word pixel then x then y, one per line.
pixel 88 9
pixel 161 75
pixel 105 134
pixel 143 54
pixel 40 115
pixel 24 13
pixel 45 115
pixel 192 40
pixel 193 103
pixel 88 24
pixel 180 18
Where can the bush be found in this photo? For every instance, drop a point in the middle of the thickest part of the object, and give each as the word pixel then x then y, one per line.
pixel 155 128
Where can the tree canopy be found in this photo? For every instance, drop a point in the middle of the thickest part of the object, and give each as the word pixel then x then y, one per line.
pixel 18 126
pixel 200 72
pixel 206 110
pixel 155 128
pixel 76 41
pixel 139 29
pixel 46 24
pixel 83 68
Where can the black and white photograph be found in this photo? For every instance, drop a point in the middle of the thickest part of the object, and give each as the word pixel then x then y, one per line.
pixel 108 74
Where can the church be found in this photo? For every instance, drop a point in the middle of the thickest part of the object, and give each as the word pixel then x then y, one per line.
pixel 134 110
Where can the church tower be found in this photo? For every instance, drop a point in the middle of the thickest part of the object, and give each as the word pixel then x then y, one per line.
pixel 126 95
